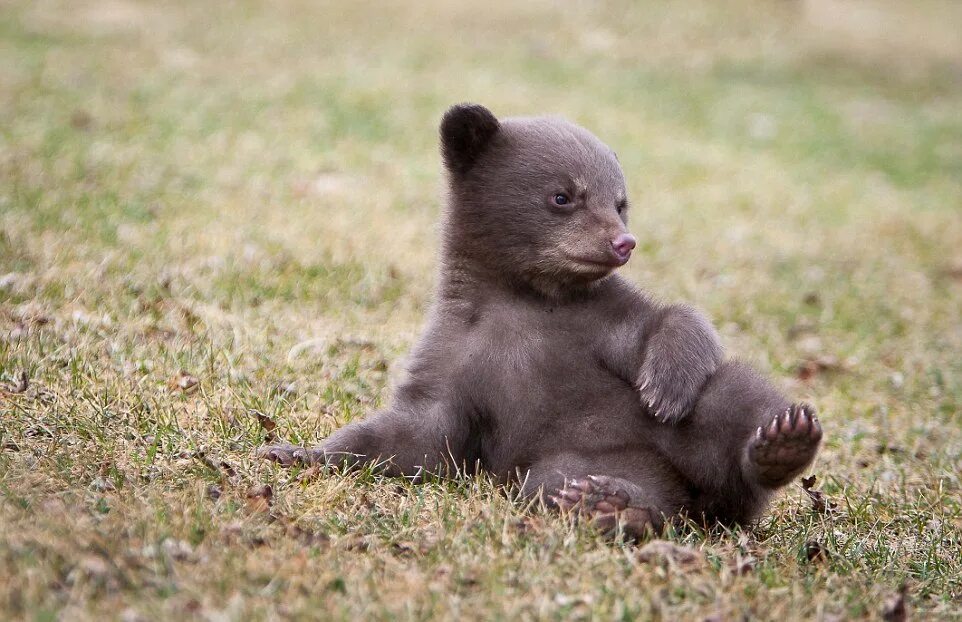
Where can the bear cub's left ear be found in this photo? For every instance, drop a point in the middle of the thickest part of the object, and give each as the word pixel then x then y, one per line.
pixel 466 130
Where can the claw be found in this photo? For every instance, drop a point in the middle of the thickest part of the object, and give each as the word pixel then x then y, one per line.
pixel 784 423
pixel 786 445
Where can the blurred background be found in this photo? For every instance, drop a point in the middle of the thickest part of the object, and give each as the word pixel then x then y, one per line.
pixel 285 153
pixel 243 197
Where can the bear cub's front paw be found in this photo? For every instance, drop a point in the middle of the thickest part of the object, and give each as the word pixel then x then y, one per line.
pixel 667 394
pixel 679 358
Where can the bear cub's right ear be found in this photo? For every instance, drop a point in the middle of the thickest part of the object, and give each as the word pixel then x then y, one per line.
pixel 465 132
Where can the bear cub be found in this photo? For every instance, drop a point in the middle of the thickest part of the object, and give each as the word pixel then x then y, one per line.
pixel 542 367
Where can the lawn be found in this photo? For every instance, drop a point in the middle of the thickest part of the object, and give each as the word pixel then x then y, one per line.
pixel 218 225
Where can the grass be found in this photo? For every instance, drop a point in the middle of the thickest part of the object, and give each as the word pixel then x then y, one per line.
pixel 248 193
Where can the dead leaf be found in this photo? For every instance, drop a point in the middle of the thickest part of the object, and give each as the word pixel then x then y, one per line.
pixel 260 498
pixel 267 424
pixel 81 119
pixel 224 468
pixel 184 382
pixel 820 503
pixel 310 473
pixel 812 298
pixel 954 270
pixel 896 607
pixel 664 553
pixel 812 367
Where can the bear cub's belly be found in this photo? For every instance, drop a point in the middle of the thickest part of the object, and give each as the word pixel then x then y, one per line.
pixel 541 390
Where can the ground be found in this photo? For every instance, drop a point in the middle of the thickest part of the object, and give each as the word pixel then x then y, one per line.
pixel 218 224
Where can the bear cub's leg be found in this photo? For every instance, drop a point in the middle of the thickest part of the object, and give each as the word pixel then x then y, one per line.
pixel 778 452
pixel 399 442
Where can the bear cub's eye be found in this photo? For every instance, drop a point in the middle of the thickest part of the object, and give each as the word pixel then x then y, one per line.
pixel 561 199
pixel 621 206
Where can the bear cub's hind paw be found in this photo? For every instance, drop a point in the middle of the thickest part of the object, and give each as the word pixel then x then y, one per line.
pixel 605 505
pixel 780 450
pixel 288 455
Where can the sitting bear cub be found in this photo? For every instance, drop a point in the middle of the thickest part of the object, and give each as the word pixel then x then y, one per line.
pixel 541 367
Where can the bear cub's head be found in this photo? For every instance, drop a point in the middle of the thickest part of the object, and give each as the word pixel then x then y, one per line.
pixel 534 200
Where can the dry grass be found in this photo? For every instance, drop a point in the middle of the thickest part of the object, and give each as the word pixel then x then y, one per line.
pixel 249 192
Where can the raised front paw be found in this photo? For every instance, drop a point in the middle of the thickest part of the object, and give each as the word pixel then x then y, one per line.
pixel 289 455
pixel 780 450
pixel 605 505
pixel 680 356
pixel 667 393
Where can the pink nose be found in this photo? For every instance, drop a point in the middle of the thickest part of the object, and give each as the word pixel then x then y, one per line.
pixel 623 245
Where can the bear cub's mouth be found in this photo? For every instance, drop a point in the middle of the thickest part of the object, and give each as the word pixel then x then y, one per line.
pixel 609 263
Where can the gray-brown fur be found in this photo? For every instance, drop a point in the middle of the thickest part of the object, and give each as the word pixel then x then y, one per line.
pixel 541 366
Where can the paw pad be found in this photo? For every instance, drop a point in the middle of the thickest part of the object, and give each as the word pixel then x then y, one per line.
pixel 781 449
pixel 605 505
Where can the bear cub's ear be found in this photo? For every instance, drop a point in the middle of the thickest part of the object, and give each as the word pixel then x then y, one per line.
pixel 465 132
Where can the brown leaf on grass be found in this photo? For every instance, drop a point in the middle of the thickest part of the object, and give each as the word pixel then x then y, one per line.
pixel 664 553
pixel 954 270
pixel 896 607
pixel 260 499
pixel 267 424
pixel 224 468
pixel 310 473
pixel 812 298
pixel 183 382
pixel 814 366
pixel 81 119
pixel 820 503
